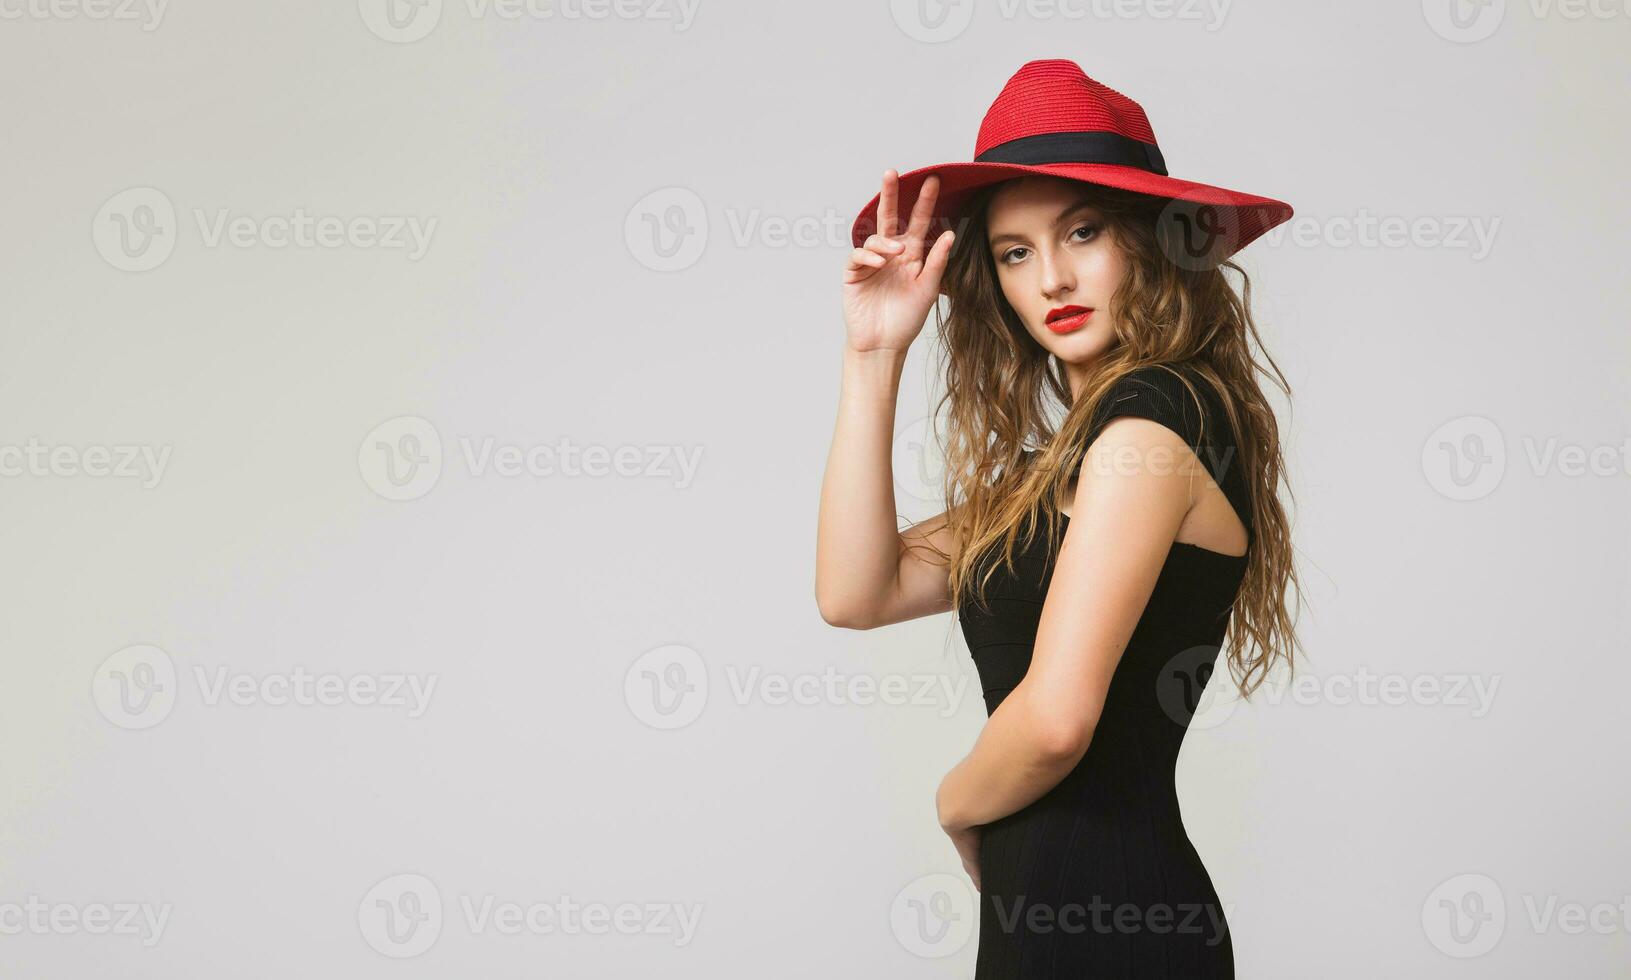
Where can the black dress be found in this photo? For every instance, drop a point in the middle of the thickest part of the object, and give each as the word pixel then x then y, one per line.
pixel 1098 878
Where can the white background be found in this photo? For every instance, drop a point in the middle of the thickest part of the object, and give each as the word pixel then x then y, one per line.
pixel 545 309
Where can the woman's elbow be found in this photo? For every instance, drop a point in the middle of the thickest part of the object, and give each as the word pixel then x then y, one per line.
pixel 841 613
pixel 1065 742
pixel 1063 737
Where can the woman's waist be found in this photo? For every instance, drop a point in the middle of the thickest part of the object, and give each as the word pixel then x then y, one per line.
pixel 1088 840
pixel 1099 793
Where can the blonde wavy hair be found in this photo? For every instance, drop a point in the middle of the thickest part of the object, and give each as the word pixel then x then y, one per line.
pixel 1000 383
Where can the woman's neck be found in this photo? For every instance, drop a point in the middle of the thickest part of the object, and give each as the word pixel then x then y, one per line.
pixel 1079 376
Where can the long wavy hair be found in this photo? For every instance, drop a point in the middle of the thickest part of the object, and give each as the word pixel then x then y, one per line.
pixel 1001 386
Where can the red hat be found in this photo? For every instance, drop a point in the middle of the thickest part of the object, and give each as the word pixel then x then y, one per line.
pixel 1052 119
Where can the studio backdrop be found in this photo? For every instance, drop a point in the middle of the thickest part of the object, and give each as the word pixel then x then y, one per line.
pixel 413 417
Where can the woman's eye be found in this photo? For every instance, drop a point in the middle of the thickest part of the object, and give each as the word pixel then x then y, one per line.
pixel 1018 253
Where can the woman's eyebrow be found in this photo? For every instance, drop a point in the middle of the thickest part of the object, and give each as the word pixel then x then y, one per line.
pixel 1063 217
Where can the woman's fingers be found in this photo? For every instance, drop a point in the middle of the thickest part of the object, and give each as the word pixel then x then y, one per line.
pixel 934 265
pixel 874 253
pixel 923 209
pixel 972 869
pixel 860 260
pixel 887 198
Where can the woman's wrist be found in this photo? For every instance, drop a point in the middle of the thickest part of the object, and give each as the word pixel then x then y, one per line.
pixel 874 372
pixel 878 356
pixel 950 820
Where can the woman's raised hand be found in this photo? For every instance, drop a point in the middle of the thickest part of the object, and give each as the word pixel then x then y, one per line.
pixel 892 280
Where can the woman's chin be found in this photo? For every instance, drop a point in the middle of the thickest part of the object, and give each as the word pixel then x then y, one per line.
pixel 1079 348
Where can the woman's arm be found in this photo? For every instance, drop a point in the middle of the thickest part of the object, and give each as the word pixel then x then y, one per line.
pixel 865 574
pixel 1134 489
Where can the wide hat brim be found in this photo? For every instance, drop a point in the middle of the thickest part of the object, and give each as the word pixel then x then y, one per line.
pixel 1214 222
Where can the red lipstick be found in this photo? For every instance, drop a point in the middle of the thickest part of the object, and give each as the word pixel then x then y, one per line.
pixel 1064 319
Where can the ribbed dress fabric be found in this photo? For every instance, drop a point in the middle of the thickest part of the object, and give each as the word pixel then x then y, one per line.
pixel 1098 878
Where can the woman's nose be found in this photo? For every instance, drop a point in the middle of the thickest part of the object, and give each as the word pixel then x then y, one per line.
pixel 1056 275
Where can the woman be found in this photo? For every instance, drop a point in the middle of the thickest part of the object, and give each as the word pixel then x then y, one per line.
pixel 1097 575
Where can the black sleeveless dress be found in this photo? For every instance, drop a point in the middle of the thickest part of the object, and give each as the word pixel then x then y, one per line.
pixel 1098 878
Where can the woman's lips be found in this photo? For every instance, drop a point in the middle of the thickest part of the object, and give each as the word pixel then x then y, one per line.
pixel 1074 321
